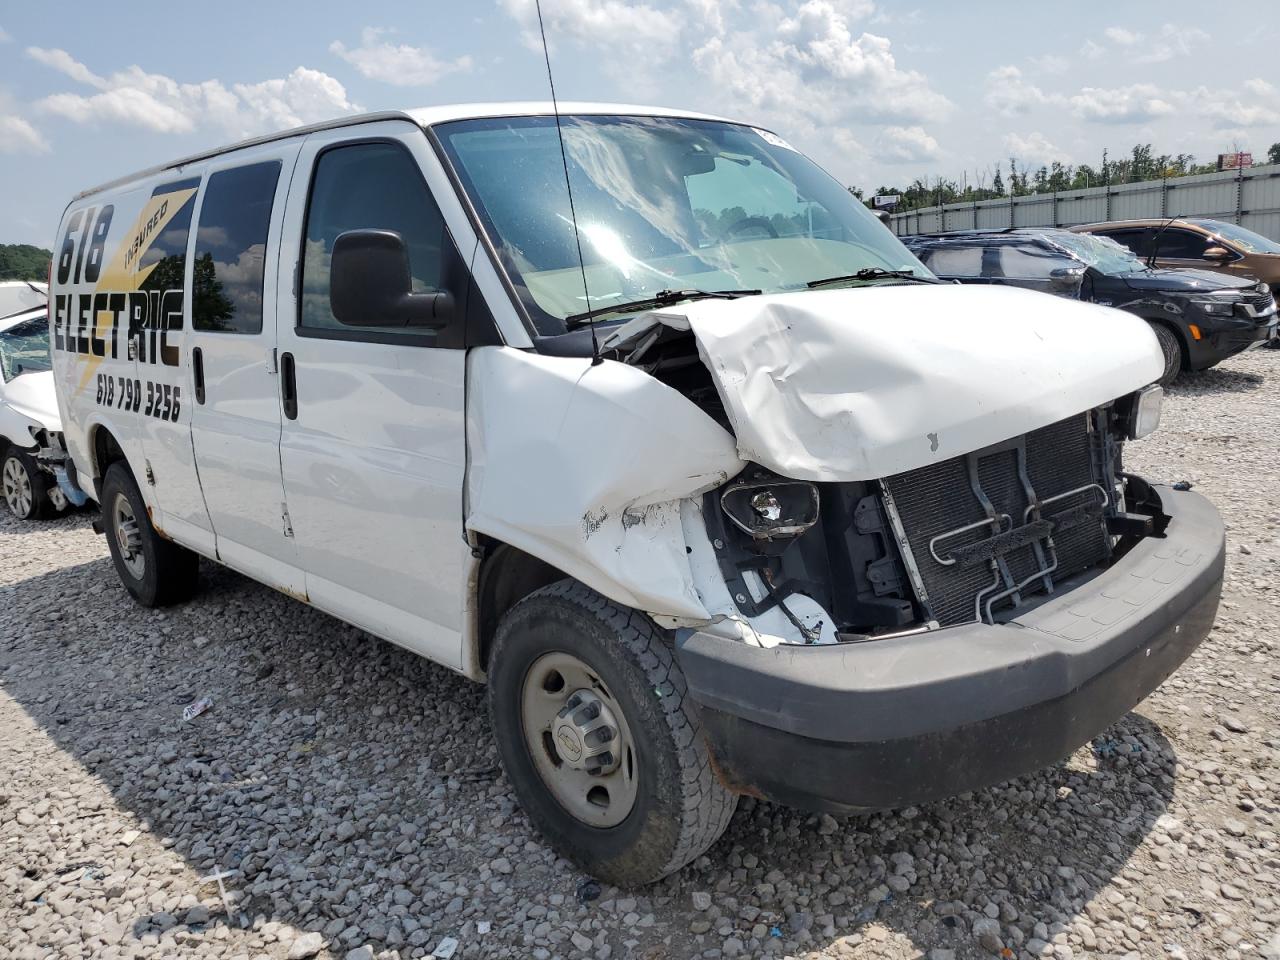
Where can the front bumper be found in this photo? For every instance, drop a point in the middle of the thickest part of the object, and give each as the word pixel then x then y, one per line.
pixel 1215 345
pixel 888 723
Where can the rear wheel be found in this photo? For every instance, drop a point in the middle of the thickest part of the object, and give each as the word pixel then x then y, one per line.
pixel 1171 349
pixel 156 571
pixel 26 488
pixel 599 738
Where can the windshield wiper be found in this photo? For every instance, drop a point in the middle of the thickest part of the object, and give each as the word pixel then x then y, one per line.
pixel 663 298
pixel 872 273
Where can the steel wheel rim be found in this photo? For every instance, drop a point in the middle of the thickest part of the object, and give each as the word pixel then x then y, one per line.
pixel 18 494
pixel 124 527
pixel 602 799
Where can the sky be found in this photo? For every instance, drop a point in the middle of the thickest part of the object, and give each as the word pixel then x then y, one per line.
pixel 876 92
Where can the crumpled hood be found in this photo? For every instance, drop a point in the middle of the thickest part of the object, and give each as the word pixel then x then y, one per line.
pixel 1186 281
pixel 855 384
pixel 32 395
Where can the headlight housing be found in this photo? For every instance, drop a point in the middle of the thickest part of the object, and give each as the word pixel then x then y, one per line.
pixel 1216 306
pixel 770 509
pixel 1144 412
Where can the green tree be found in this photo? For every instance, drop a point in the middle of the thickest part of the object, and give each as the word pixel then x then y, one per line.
pixel 22 261
pixel 1273 153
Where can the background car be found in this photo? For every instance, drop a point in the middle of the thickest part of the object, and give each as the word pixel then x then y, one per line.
pixel 1200 318
pixel 19 296
pixel 1197 243
pixel 28 416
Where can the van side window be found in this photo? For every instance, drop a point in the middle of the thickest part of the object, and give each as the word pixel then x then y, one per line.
pixel 162 264
pixel 231 246
pixel 368 186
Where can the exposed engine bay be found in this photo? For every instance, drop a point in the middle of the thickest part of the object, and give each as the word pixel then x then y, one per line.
pixel 976 537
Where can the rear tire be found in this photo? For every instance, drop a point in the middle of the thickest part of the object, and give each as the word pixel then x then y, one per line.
pixel 156 571
pixel 25 487
pixel 661 805
pixel 1172 351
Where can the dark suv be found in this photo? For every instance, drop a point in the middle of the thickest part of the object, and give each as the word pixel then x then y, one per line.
pixel 1200 318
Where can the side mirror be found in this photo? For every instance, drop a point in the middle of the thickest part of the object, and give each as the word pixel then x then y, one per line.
pixel 370 284
pixel 1066 279
pixel 1216 254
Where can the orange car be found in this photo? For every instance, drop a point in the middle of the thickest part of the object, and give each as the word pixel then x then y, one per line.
pixel 1195 242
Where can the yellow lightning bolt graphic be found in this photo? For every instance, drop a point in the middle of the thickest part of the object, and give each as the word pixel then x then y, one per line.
pixel 122 275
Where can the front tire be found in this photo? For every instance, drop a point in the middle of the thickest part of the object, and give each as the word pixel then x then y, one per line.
pixel 599 737
pixel 26 489
pixel 1171 349
pixel 156 571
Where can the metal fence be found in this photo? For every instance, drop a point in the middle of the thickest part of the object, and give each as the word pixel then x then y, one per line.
pixel 1250 198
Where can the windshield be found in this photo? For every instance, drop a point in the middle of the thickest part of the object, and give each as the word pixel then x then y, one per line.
pixel 1101 253
pixel 24 347
pixel 1246 240
pixel 661 204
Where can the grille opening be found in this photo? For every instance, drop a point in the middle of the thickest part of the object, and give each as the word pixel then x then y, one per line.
pixel 989 530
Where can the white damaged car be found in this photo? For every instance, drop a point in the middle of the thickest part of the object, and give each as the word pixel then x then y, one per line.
pixel 640 418
pixel 30 428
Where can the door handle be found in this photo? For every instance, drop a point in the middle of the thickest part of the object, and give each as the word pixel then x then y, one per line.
pixel 197 372
pixel 288 386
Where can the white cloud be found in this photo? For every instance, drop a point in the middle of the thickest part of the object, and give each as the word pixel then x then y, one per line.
pixel 1010 94
pixel 63 62
pixel 627 30
pixel 795 64
pixel 807 68
pixel 396 63
pixel 1171 40
pixel 19 136
pixel 4 36
pixel 1050 63
pixel 1121 37
pixel 155 102
pixel 1035 149
pixel 1258 106
pixel 1091 50
pixel 304 96
pixel 907 145
pixel 1138 103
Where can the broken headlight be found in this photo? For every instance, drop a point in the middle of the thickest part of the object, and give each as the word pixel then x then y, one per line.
pixel 769 508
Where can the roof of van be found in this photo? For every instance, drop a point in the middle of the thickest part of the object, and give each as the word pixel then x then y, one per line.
pixel 424 117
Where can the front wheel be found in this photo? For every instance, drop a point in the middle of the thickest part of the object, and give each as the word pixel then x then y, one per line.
pixel 1171 349
pixel 599 737
pixel 156 571
pixel 26 489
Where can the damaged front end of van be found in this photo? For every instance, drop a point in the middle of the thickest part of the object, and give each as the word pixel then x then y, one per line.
pixel 901 555
pixel 884 520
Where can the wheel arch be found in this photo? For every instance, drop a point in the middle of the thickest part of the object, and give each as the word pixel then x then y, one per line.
pixel 503 576
pixel 105 450
pixel 1179 335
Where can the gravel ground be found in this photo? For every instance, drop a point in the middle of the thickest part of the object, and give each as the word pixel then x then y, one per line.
pixel 355 790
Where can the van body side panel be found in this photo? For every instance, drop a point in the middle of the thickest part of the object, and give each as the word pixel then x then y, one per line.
pixel 585 466
pixel 236 426
pixel 115 308
pixel 166 404
pixel 374 462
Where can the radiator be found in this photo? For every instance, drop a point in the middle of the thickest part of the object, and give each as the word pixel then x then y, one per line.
pixel 989 530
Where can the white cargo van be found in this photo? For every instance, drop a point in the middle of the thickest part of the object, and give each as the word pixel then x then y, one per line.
pixel 708 478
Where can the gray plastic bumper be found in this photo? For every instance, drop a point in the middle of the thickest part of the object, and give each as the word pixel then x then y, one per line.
pixel 904 720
